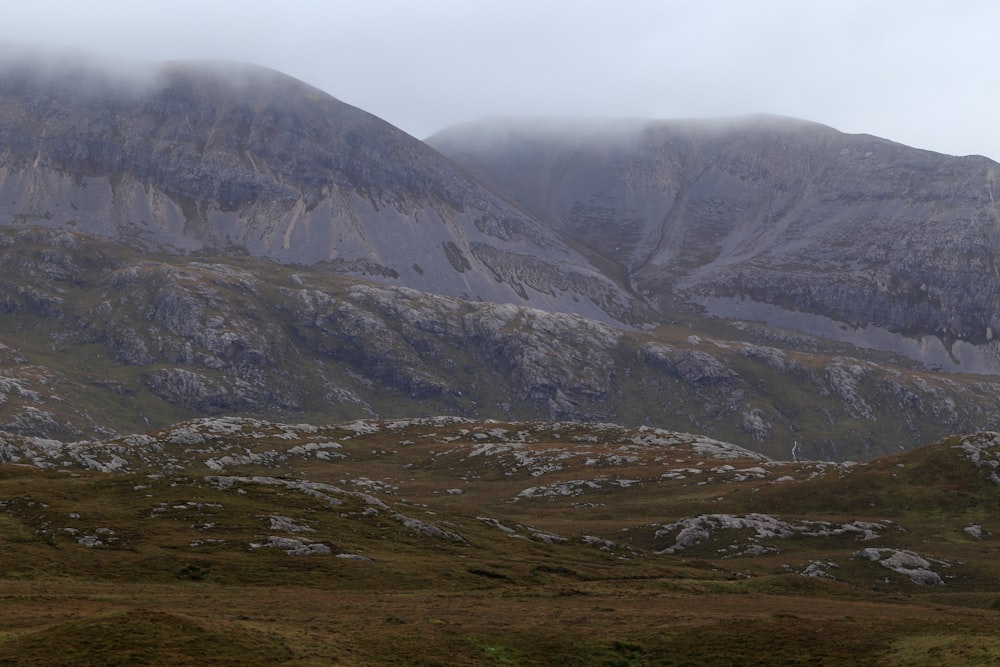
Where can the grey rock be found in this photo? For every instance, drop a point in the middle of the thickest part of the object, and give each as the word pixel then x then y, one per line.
pixel 288 525
pixel 755 424
pixel 768 218
pixel 294 547
pixel 693 530
pixel 355 557
pixel 905 562
pixel 773 357
pixel 974 531
pixel 237 158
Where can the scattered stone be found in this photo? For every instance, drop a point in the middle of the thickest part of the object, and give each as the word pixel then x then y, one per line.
pixel 819 568
pixel 357 557
pixel 496 524
pixel 975 531
pixel 294 547
pixel 428 529
pixel 983 449
pixel 547 538
pixel 599 542
pixel 200 542
pixel 288 525
pixel 693 530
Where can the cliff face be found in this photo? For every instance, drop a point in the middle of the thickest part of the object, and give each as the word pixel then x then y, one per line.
pixel 770 218
pixel 243 159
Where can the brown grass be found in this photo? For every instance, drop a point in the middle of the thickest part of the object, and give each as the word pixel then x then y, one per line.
pixel 176 581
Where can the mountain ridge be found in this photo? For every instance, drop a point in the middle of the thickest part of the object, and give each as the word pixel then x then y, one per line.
pixel 791 215
pixel 212 453
pixel 246 159
pixel 100 337
pixel 548 314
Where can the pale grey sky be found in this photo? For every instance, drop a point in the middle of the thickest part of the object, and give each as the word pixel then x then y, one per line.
pixel 923 73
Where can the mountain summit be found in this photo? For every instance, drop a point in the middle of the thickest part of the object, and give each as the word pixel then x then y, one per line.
pixel 770 218
pixel 237 158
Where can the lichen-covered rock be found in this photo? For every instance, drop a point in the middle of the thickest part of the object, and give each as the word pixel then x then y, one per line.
pixel 983 449
pixel 755 424
pixel 294 547
pixel 694 530
pixel 907 563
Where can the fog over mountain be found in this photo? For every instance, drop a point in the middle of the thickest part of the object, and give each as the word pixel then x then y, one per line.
pixel 237 158
pixel 849 236
pixel 641 376
pixel 764 218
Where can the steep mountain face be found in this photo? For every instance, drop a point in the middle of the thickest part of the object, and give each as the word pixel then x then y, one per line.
pixel 246 160
pixel 793 223
pixel 140 217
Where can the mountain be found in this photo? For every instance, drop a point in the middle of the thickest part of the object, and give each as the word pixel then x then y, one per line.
pixel 453 541
pixel 241 159
pixel 232 307
pixel 773 219
pixel 210 239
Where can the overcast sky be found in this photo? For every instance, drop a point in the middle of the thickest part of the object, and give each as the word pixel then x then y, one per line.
pixel 923 73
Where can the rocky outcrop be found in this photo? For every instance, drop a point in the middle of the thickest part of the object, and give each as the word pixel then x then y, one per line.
pixel 695 530
pixel 130 340
pixel 908 563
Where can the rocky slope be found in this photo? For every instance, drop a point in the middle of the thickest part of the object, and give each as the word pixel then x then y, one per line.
pixel 100 339
pixel 241 159
pixel 407 287
pixel 793 223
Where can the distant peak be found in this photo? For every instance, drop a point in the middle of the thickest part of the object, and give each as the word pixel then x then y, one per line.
pixel 103 77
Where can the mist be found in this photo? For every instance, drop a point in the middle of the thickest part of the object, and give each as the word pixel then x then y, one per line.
pixel 920 73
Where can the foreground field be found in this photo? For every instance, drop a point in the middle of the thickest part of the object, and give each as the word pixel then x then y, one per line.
pixel 449 542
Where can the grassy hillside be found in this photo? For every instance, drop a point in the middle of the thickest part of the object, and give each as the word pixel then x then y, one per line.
pixel 446 541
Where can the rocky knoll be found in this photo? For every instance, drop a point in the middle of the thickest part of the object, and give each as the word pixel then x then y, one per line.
pixel 236 158
pixel 99 339
pixel 768 218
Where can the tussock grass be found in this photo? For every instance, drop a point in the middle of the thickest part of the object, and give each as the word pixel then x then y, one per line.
pixel 182 573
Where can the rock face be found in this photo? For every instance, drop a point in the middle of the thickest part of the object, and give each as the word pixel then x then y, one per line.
pixel 774 219
pixel 99 339
pixel 243 159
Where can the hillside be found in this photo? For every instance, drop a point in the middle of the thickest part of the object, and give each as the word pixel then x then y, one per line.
pixel 100 340
pixel 445 540
pixel 689 370
pixel 795 224
pixel 214 239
